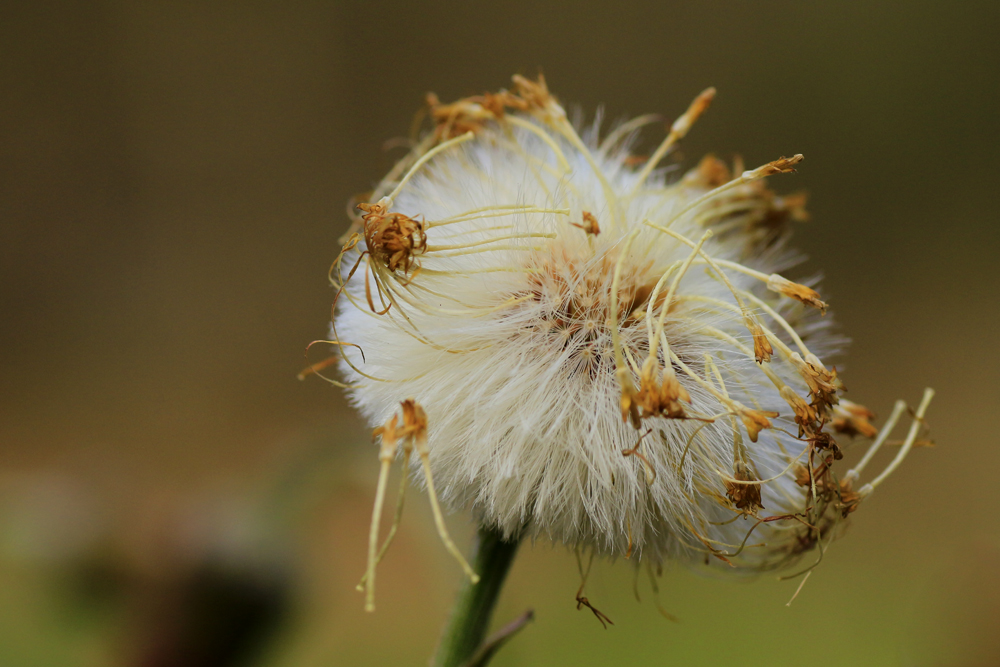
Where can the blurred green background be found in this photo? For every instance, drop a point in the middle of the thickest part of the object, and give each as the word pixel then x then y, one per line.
pixel 172 184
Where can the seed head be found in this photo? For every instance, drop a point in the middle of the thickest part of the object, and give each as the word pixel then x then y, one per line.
pixel 630 389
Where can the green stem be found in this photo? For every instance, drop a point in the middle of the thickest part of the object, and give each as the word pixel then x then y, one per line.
pixel 473 609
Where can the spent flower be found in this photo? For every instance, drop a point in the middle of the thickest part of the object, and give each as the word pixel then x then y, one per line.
pixel 588 350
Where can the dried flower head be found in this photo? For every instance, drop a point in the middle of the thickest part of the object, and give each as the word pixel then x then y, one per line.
pixel 606 357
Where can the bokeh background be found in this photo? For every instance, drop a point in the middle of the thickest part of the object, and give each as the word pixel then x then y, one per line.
pixel 173 178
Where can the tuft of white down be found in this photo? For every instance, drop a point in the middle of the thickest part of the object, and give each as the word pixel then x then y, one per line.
pixel 507 344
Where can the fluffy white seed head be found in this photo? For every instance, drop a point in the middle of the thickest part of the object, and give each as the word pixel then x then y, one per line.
pixel 607 355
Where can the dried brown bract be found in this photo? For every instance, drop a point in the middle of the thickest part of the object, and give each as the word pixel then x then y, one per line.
pixel 392 238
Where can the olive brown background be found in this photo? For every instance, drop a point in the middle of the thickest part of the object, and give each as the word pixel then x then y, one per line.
pixel 173 179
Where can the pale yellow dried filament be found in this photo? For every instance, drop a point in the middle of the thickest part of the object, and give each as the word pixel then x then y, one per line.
pixel 745 177
pixel 613 315
pixel 402 165
pixel 911 437
pixel 670 294
pixel 567 131
pixel 544 136
pixel 424 454
pixel 780 320
pixel 722 335
pixel 386 453
pixel 506 237
pixel 890 424
pixel 711 262
pixel 397 517
pixel 677 131
pixel 501 211
pixel 733 480
pixel 429 155
pixel 725 400
pixel 492 269
pixel 624 129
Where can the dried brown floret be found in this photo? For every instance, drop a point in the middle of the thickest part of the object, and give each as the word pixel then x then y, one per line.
pixel 783 165
pixel 805 415
pixel 468 114
pixel 793 205
pixel 802 476
pixel 629 405
pixel 752 211
pixel 822 440
pixel 698 106
pixel 589 224
pixel 762 349
pixel 661 399
pixel 756 421
pixel 767 227
pixel 745 496
pixel 414 420
pixel 710 173
pixel 852 419
pixel 532 94
pixel 806 295
pixel 849 498
pixel 393 238
pixel 823 384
